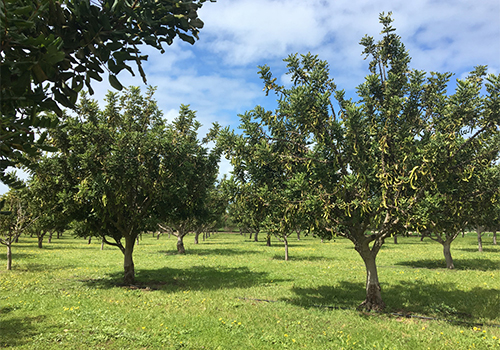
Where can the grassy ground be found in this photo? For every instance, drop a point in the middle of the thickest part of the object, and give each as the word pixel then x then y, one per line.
pixel 68 296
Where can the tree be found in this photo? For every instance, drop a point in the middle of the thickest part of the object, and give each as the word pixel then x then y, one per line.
pixel 51 49
pixel 368 165
pixel 196 173
pixel 121 168
pixel 212 215
pixel 15 219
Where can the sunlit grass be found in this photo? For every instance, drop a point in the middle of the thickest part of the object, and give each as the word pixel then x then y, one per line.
pixel 231 293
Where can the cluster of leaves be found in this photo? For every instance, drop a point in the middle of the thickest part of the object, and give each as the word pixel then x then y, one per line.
pixel 51 49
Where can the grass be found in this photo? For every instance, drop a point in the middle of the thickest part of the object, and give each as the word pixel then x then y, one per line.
pixel 231 293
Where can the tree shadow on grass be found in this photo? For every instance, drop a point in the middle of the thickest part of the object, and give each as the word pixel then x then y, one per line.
pixel 299 258
pixel 443 301
pixel 18 331
pixel 211 251
pixel 195 278
pixel 460 264
pixel 490 249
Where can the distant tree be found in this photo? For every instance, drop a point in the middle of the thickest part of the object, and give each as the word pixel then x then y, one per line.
pixel 196 174
pixel 51 49
pixel 15 219
pixel 370 163
pixel 212 215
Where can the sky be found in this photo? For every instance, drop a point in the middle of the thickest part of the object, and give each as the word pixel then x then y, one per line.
pixel 217 76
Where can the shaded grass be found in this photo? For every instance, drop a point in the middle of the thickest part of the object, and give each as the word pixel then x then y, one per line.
pixel 69 295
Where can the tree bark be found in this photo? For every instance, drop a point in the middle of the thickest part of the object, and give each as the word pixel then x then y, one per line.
pixel 447 254
pixel 480 230
pixel 495 237
pixel 268 241
pixel 286 248
pixel 128 262
pixel 196 237
pixel 180 243
pixel 373 299
pixel 298 235
pixel 9 256
pixel 40 241
pixel 395 239
pixel 256 237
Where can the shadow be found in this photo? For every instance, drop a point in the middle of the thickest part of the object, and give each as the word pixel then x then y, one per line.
pixel 460 264
pixel 443 301
pixel 488 249
pixel 293 257
pixel 211 251
pixel 16 332
pixel 195 278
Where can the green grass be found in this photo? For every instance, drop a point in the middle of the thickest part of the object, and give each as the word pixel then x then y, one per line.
pixel 68 296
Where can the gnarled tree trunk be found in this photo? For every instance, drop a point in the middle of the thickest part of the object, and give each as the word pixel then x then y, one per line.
pixel 447 254
pixel 9 256
pixel 480 230
pixel 128 262
pixel 286 248
pixel 373 299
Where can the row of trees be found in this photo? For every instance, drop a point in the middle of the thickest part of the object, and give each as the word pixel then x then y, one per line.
pixel 407 156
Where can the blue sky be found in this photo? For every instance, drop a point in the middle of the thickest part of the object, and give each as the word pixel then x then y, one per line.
pixel 218 77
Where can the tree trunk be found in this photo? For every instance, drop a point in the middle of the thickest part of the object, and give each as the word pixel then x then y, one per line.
pixel 480 230
pixel 9 256
pixel 180 243
pixel 373 299
pixel 298 235
pixel 102 244
pixel 447 254
pixel 50 237
pixel 128 262
pixel 196 237
pixel 286 248
pixel 90 240
pixel 256 237
pixel 494 237
pixel 268 242
pixel 395 239
pixel 40 241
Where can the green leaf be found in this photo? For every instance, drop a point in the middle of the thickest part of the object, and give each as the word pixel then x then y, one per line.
pixel 113 80
pixel 186 38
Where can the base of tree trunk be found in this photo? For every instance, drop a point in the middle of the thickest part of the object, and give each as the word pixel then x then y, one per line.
pixel 373 299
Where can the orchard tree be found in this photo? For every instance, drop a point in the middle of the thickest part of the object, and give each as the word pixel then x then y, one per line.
pixel 367 161
pixel 121 167
pixel 51 49
pixel 15 219
pixel 195 175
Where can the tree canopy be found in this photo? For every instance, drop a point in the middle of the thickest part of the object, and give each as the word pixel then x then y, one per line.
pixel 365 164
pixel 51 50
pixel 121 170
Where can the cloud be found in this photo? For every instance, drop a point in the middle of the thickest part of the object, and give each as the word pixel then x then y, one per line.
pixel 441 35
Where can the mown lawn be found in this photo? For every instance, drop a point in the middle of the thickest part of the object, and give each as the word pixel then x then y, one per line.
pixel 231 293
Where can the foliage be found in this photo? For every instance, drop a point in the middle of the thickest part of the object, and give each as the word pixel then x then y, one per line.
pixel 121 170
pixel 51 49
pixel 366 165
pixel 195 175
pixel 15 219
